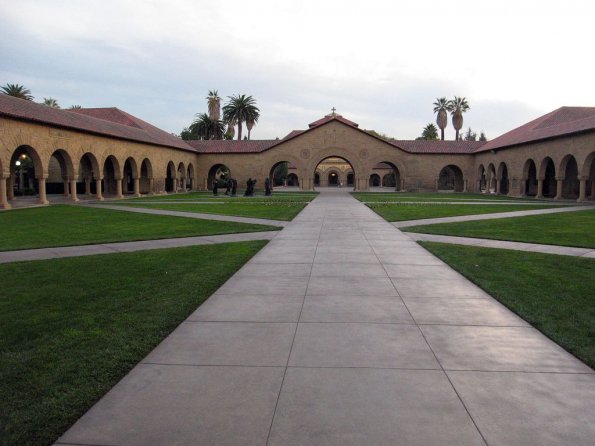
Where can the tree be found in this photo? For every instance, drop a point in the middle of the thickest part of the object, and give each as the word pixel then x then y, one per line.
pixel 203 127
pixel 50 102
pixel 280 174
pixel 231 131
pixel 18 91
pixel 482 136
pixel 214 105
pixel 470 135
pixel 458 107
pixel 442 106
pixel 75 107
pixel 253 119
pixel 430 132
pixel 240 109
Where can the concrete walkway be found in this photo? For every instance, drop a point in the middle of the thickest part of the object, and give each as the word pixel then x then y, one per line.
pixel 431 221
pixel 344 331
pixel 201 216
pixel 501 244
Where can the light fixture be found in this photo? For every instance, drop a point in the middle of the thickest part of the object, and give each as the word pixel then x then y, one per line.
pixel 18 163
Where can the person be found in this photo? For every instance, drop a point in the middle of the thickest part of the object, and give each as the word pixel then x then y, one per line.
pixel 215 185
pixel 234 187
pixel 267 186
pixel 228 184
pixel 247 192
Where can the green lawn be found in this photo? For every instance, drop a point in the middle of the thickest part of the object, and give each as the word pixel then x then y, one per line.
pixel 553 293
pixel 566 229
pixel 64 225
pixel 71 328
pixel 433 196
pixel 270 210
pixel 415 211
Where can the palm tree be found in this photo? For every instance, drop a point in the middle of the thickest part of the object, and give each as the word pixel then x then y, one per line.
pixel 203 127
pixel 75 107
pixel 18 91
pixel 231 131
pixel 214 104
pixel 239 109
pixel 50 102
pixel 458 107
pixel 430 132
pixel 442 106
pixel 252 119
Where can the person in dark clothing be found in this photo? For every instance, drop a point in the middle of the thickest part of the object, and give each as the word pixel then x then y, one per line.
pixel 267 186
pixel 215 186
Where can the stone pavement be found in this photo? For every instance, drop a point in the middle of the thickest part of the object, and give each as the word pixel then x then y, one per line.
pixel 431 221
pixel 501 244
pixel 202 216
pixel 111 248
pixel 344 331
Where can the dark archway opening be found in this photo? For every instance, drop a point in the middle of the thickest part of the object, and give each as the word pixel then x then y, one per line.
pixel 170 178
pixel 570 185
pixel 23 179
pixel 549 181
pixel 504 182
pixel 316 179
pixel 374 180
pixel 350 180
pixel 333 179
pixel 531 181
pixel 451 179
pixel 333 171
pixel 146 174
pixel 110 176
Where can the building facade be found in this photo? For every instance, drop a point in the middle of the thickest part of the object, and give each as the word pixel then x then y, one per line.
pixel 107 152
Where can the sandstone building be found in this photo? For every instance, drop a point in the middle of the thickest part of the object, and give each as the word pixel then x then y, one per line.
pixel 108 152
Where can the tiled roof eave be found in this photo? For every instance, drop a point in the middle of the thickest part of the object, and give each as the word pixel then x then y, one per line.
pixel 535 140
pixel 91 132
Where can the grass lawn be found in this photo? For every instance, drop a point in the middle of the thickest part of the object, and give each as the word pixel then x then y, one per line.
pixel 433 196
pixel 566 229
pixel 64 225
pixel 553 293
pixel 274 210
pixel 415 211
pixel 68 334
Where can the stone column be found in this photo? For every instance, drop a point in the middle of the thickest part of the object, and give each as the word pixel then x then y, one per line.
pixel 151 186
pixel 10 191
pixel 465 185
pixel 119 189
pixel 73 195
pixel 498 185
pixel 98 193
pixel 582 195
pixel 437 183
pixel 87 186
pixel 43 199
pixel 559 183
pixel 65 181
pixel 4 204
pixel 523 188
pixel 136 187
pixel 539 188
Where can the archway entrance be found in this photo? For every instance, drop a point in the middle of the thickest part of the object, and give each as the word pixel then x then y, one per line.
pixel 570 184
pixel 146 177
pixel 219 173
pixel 548 173
pixel 334 172
pixel 170 177
pixel 530 177
pixel 503 178
pixel 25 168
pixel 385 174
pixel 284 173
pixel 374 180
pixel 451 179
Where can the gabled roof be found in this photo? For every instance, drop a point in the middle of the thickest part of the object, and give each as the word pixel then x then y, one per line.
pixel 332 116
pixel 110 122
pixel 563 121
pixel 444 147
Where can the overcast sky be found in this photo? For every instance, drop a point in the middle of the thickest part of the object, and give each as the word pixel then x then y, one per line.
pixel 380 63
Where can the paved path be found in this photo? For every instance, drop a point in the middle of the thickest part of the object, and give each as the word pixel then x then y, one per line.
pixel 204 216
pixel 517 246
pixel 111 248
pixel 431 221
pixel 344 331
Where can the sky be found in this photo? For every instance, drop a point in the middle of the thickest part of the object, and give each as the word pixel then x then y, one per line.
pixel 380 63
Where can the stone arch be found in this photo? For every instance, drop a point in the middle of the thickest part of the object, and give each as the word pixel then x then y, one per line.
pixel 280 177
pixel 374 180
pixel 530 178
pixel 60 173
pixel 317 179
pixel 347 156
pixel 481 179
pixel 130 175
pixel 90 175
pixel 27 174
pixel 393 178
pixel 219 173
pixel 190 176
pixel 491 175
pixel 451 178
pixel 568 174
pixel 547 175
pixel 170 177
pixel 293 180
pixel 181 174
pixel 503 183
pixel 112 176
pixel 146 177
pixel 349 180
pixel 588 175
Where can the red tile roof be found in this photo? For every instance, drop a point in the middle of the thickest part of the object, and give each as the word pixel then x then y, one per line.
pixel 331 117
pixel 110 122
pixel 232 146
pixel 444 147
pixel 563 121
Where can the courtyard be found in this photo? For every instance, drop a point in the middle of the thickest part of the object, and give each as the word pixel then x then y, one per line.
pixel 340 329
